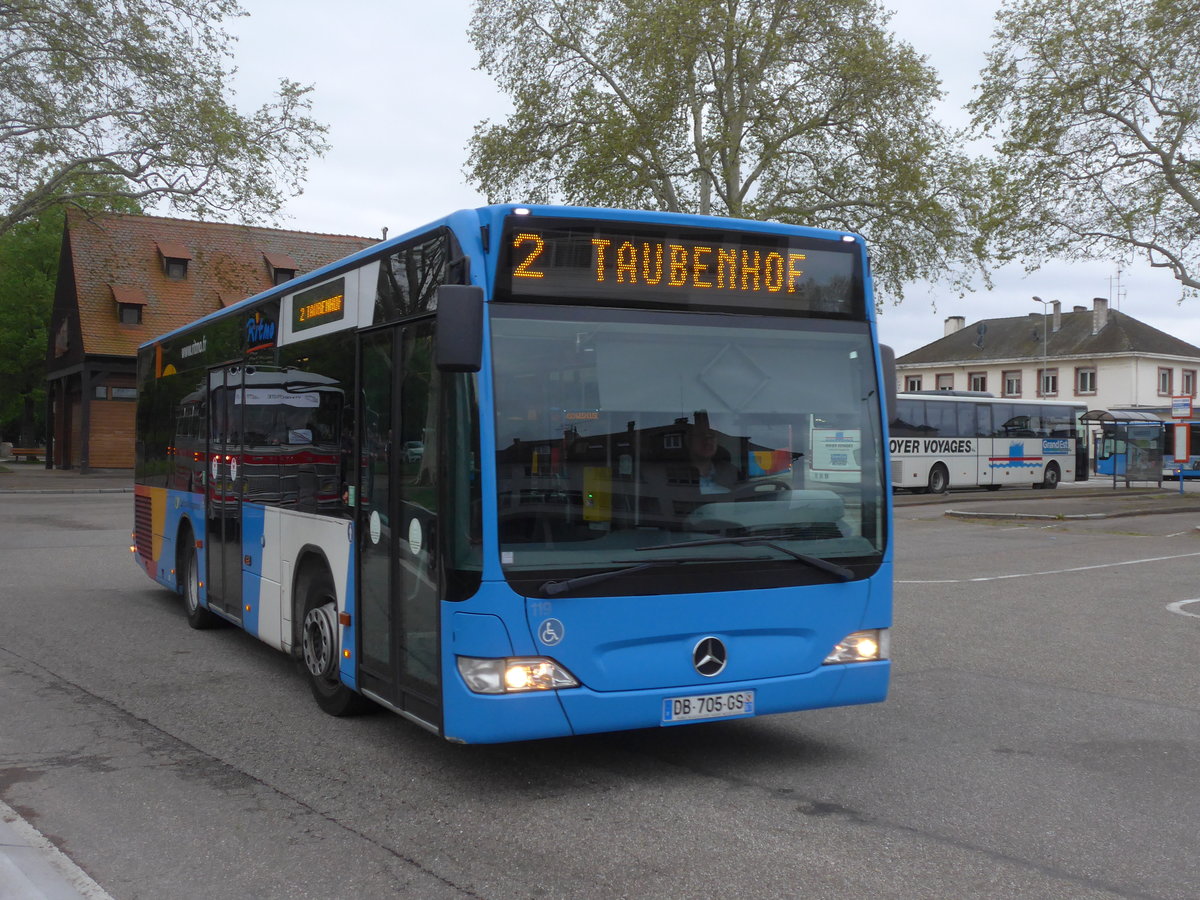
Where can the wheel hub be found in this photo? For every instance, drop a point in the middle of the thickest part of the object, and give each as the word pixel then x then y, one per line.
pixel 191 585
pixel 320 648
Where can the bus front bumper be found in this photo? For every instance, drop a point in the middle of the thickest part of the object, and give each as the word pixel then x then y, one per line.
pixel 478 718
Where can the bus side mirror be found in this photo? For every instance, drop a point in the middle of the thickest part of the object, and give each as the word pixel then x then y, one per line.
pixel 887 356
pixel 459 328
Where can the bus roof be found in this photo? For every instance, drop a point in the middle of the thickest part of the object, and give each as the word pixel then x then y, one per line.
pixel 983 397
pixel 471 221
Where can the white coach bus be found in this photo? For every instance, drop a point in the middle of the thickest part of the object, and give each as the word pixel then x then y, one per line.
pixel 944 439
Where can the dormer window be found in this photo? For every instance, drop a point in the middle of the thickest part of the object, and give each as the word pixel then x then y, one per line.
pixel 281 266
pixel 130 303
pixel 175 258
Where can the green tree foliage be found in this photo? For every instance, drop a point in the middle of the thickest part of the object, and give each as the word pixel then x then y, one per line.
pixel 792 110
pixel 28 268
pixel 138 90
pixel 29 260
pixel 1097 104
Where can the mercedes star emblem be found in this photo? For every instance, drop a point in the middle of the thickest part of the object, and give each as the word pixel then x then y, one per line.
pixel 709 657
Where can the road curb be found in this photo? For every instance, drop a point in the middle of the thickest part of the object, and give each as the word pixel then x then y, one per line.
pixel 1016 495
pixel 32 867
pixel 66 491
pixel 964 514
pixel 1067 517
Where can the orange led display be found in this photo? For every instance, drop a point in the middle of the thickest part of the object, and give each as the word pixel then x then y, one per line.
pixel 316 306
pixel 719 268
pixel 638 263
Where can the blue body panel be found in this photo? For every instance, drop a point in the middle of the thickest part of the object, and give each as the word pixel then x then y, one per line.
pixel 253 524
pixel 181 506
pixel 348 665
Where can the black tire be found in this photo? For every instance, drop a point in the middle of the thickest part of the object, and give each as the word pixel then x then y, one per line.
pixel 1052 477
pixel 198 616
pixel 318 644
pixel 939 479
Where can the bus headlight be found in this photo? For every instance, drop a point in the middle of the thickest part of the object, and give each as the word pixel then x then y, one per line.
pixel 861 646
pixel 513 675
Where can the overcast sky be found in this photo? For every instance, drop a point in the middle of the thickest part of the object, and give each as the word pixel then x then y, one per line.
pixel 396 82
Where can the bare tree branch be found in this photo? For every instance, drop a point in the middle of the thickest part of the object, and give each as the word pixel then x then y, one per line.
pixel 1097 103
pixel 793 109
pixel 132 97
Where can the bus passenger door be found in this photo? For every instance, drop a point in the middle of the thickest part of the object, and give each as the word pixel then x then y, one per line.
pixel 983 442
pixel 223 542
pixel 399 579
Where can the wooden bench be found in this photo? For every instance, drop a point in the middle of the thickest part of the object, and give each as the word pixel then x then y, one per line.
pixel 26 453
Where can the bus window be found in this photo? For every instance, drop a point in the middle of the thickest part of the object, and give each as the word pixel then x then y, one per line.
pixel 964 414
pixel 941 418
pixel 910 418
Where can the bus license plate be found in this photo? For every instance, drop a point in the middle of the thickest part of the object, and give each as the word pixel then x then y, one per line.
pixel 707 706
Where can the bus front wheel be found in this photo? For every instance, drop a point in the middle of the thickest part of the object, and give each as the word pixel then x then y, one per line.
pixel 939 479
pixel 319 645
pixel 1051 479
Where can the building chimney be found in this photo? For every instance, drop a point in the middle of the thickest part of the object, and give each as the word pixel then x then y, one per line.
pixel 954 323
pixel 1099 314
pixel 1056 322
pixel 1078 309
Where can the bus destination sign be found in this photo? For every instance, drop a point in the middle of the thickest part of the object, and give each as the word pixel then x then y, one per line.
pixel 639 264
pixel 316 306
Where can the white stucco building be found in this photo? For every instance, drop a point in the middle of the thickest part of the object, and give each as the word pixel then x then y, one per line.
pixel 1098 356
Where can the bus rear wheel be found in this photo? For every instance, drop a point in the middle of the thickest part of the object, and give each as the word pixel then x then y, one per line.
pixel 319 645
pixel 939 479
pixel 1052 477
pixel 188 568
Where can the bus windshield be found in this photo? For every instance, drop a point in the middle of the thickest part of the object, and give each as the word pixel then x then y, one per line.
pixel 626 437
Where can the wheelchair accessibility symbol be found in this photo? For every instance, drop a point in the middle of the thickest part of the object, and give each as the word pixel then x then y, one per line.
pixel 550 632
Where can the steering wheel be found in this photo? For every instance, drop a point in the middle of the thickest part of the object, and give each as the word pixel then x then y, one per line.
pixel 761 490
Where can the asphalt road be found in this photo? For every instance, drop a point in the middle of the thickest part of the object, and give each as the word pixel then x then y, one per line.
pixel 1042 740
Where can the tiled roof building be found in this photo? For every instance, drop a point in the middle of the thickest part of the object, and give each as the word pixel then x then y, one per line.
pixel 125 279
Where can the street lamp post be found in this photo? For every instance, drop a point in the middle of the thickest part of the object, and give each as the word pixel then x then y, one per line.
pixel 1042 374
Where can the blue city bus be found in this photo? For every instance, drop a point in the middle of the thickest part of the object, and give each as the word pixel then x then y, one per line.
pixel 1140 442
pixel 538 471
pixel 1181 451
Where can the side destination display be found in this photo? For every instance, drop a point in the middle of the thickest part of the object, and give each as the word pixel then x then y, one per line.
pixel 316 306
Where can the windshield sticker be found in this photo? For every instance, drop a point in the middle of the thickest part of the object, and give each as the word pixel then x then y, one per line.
pixel 416 537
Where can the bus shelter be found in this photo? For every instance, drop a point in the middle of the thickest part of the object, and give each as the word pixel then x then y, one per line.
pixel 1129 445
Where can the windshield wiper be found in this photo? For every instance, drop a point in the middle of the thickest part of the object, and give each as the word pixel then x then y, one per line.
pixel 551 588
pixel 764 540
